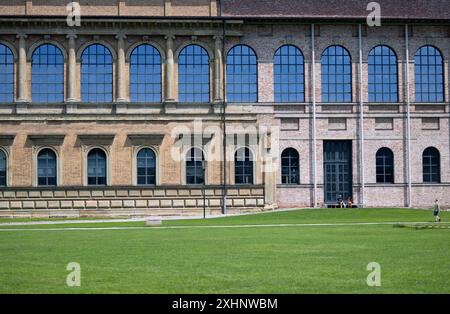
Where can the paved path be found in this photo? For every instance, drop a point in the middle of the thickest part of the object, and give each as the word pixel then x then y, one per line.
pixel 214 227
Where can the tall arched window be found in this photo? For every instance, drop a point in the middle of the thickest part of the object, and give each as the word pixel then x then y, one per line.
pixel 336 75
pixel 289 75
pixel 96 74
pixel 6 74
pixel 146 167
pixel 290 168
pixel 46 163
pixel 145 74
pixel 242 75
pixel 431 165
pixel 243 166
pixel 96 167
pixel 47 74
pixel 195 166
pixel 383 86
pixel 193 74
pixel 385 165
pixel 429 75
pixel 3 168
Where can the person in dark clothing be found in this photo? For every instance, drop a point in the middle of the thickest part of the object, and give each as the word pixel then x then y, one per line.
pixel 340 201
pixel 436 210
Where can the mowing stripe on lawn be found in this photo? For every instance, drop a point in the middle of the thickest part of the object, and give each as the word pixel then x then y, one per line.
pixel 203 227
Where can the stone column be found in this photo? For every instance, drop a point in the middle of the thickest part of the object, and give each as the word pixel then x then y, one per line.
pixel 218 69
pixel 170 73
pixel 121 97
pixel 22 91
pixel 71 69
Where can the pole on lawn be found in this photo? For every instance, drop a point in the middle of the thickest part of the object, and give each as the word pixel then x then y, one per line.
pixel 203 188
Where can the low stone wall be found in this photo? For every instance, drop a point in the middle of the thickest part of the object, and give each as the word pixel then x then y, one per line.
pixel 126 201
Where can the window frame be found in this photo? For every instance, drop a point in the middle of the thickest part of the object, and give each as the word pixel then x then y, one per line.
pixel 56 168
pixel 297 76
pixel 326 72
pixel 381 161
pixel 138 151
pixel 8 95
pixel 428 163
pixel 4 154
pixel 418 67
pixel 290 166
pixel 195 166
pixel 377 69
pixel 106 167
pixel 244 165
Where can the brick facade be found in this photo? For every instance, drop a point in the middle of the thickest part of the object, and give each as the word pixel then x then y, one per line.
pixel 76 127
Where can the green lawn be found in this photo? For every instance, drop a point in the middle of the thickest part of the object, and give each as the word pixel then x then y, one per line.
pixel 274 259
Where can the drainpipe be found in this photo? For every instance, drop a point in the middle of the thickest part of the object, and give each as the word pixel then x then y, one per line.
pixel 314 149
pixel 408 115
pixel 361 119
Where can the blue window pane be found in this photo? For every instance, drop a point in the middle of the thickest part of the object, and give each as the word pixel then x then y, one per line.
pixel 428 75
pixel 243 166
pixel 193 74
pixel 194 166
pixel 46 168
pixel 145 74
pixel 3 168
pixel 96 74
pixel 431 165
pixel 336 75
pixel 242 75
pixel 6 74
pixel 47 74
pixel 146 167
pixel 289 75
pixel 382 75
pixel 290 168
pixel 96 167
pixel 384 166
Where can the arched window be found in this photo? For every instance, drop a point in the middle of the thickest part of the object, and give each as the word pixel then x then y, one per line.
pixel 47 74
pixel 290 169
pixel 46 163
pixel 146 167
pixel 6 74
pixel 431 165
pixel 243 166
pixel 193 74
pixel 242 75
pixel 289 75
pixel 96 167
pixel 195 166
pixel 145 74
pixel 3 168
pixel 385 165
pixel 96 74
pixel 429 75
pixel 336 75
pixel 383 86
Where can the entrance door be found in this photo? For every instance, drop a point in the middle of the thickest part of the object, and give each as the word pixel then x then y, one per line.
pixel 337 165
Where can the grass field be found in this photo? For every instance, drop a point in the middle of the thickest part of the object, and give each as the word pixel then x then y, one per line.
pixel 233 254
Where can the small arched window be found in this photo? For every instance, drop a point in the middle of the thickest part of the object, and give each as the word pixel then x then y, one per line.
pixel 243 166
pixel 429 75
pixel 146 167
pixel 242 75
pixel 289 75
pixel 336 75
pixel 96 74
pixel 46 163
pixel 385 165
pixel 47 74
pixel 290 168
pixel 383 85
pixel 193 74
pixel 3 168
pixel 431 165
pixel 96 167
pixel 195 166
pixel 6 74
pixel 145 74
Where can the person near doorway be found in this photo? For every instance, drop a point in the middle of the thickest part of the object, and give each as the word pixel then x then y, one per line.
pixel 350 202
pixel 436 211
pixel 340 201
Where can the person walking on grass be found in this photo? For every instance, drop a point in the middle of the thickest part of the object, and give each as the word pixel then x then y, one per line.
pixel 436 211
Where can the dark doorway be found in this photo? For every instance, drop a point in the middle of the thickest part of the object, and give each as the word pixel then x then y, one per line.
pixel 337 169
